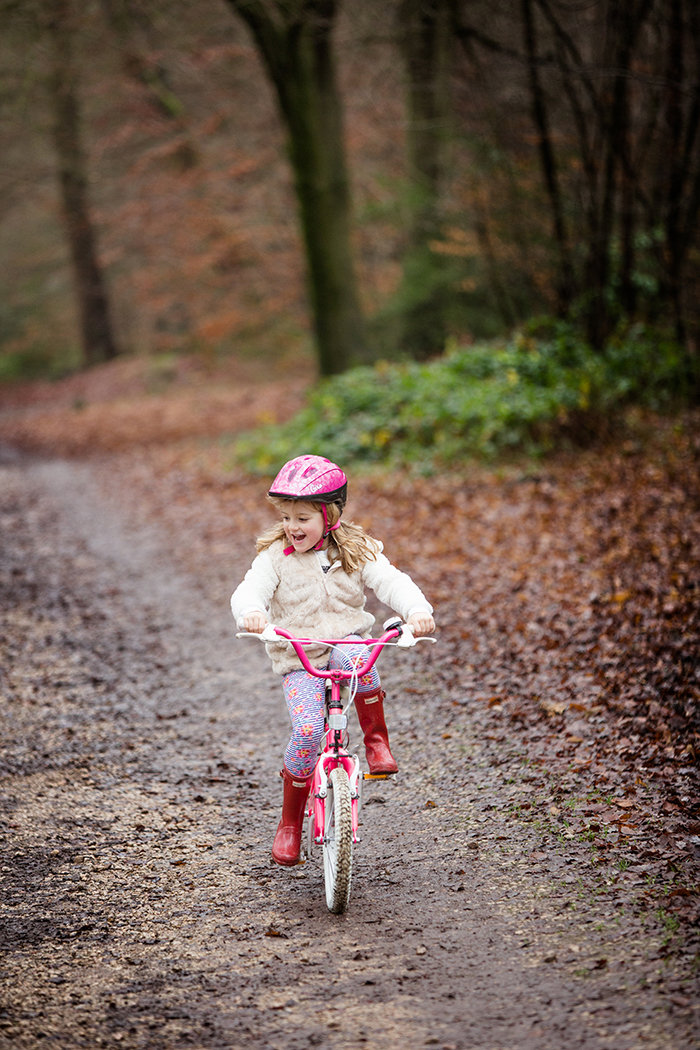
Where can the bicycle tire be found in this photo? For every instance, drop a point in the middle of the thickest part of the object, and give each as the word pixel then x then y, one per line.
pixel 337 842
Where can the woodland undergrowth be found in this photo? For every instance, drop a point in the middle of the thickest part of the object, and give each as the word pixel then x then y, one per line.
pixel 566 589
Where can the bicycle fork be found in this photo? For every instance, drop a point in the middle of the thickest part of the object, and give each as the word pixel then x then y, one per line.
pixel 334 755
pixel 319 792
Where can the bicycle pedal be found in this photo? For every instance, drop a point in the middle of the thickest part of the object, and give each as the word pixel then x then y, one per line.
pixel 378 776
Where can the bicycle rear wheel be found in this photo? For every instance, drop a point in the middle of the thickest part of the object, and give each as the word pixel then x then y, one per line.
pixel 337 842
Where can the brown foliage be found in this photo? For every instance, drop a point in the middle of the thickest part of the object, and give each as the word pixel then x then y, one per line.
pixel 566 598
pixel 137 402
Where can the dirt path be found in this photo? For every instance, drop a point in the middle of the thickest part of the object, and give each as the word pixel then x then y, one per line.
pixel 139 796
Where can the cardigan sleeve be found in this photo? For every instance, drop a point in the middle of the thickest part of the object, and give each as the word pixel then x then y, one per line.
pixel 394 588
pixel 256 589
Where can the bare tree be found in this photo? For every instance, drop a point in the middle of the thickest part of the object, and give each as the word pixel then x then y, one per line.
pixel 96 329
pixel 613 98
pixel 294 40
pixel 548 157
pixel 426 42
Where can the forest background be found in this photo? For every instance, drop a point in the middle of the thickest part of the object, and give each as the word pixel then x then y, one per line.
pixel 354 181
pixel 507 271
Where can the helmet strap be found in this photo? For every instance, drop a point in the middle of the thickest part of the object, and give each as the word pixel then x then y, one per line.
pixel 327 529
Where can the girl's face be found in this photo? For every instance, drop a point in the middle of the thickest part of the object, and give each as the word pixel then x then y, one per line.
pixel 303 526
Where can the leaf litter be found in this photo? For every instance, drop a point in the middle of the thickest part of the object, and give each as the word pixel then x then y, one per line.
pixel 566 679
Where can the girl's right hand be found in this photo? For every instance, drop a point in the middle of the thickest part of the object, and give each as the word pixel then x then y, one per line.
pixel 255 622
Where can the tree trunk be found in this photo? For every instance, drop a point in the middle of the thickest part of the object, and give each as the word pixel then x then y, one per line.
pixel 676 164
pixel 294 38
pixel 425 41
pixel 548 160
pixel 96 330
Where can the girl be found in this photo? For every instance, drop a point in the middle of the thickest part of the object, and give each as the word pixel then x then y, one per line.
pixel 310 577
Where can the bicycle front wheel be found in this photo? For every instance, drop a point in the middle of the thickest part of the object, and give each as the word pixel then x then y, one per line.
pixel 337 842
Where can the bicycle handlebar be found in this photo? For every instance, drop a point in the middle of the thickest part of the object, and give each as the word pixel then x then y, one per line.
pixel 394 630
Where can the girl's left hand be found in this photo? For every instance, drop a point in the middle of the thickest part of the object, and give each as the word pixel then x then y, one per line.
pixel 421 623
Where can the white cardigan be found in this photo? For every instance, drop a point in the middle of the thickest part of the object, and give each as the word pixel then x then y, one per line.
pixel 310 597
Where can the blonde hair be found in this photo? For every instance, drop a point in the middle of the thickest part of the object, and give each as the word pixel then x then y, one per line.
pixel 349 541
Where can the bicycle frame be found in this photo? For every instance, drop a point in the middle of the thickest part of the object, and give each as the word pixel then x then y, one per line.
pixel 333 752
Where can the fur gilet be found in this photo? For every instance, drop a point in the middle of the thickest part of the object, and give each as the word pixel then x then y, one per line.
pixel 312 603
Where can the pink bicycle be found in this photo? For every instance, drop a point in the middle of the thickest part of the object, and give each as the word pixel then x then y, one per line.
pixel 333 807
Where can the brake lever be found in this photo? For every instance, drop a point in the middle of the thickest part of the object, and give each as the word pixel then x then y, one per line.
pixel 267 634
pixel 408 638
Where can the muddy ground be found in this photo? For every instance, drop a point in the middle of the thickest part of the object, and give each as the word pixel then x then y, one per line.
pixel 139 792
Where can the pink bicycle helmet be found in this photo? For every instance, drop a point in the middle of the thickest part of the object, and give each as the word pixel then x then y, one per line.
pixel 311 478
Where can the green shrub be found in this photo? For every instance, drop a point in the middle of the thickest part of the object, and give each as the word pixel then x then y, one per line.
pixel 37 361
pixel 542 388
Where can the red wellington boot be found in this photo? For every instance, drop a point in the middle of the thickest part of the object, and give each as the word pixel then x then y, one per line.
pixel 285 848
pixel 370 711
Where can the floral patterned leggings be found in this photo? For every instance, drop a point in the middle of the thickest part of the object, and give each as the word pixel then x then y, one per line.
pixel 305 701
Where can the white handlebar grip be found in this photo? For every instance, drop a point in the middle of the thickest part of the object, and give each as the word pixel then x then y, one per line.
pixel 407 638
